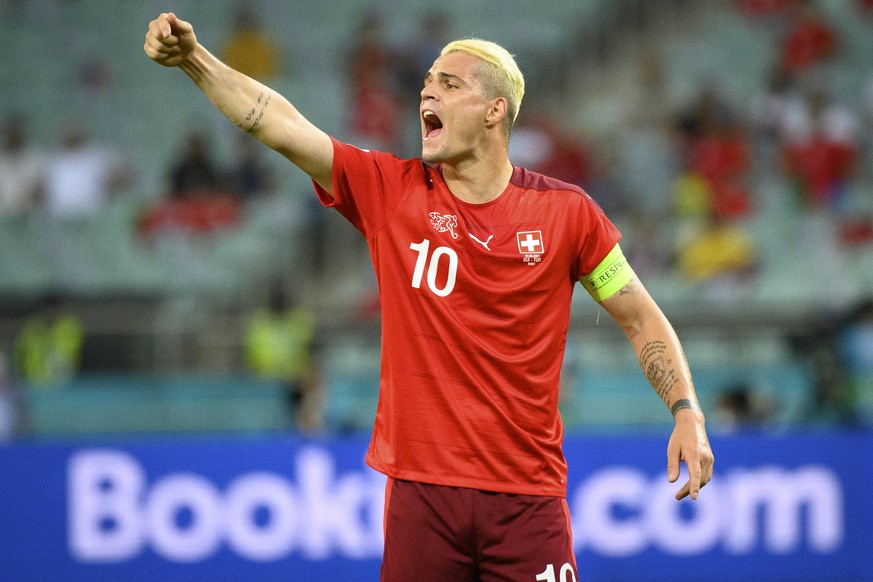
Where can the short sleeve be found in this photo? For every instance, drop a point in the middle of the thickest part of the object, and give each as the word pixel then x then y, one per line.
pixel 367 185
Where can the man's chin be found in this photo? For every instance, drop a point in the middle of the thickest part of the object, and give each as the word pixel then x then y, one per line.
pixel 430 156
pixel 433 151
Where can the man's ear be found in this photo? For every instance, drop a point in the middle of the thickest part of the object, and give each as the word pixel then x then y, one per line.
pixel 496 111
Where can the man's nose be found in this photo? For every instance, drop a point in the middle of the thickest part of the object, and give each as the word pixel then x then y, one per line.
pixel 428 92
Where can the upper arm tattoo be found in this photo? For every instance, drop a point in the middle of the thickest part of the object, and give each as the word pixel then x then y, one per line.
pixel 628 288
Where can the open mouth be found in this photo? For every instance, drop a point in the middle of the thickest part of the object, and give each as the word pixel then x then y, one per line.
pixel 433 126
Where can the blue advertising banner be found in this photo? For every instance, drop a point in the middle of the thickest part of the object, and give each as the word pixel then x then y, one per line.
pixel 781 507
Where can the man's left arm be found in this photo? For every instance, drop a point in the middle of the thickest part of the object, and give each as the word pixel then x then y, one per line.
pixel 665 366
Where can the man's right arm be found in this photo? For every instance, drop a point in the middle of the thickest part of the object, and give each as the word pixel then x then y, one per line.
pixel 252 106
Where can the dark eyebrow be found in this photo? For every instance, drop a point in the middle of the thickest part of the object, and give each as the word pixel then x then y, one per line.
pixel 443 76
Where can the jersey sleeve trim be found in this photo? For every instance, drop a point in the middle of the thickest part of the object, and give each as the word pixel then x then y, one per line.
pixel 609 276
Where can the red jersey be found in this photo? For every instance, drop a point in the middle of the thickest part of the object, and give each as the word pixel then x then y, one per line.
pixel 476 305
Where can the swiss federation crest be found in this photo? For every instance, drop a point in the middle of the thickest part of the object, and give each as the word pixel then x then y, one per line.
pixel 444 223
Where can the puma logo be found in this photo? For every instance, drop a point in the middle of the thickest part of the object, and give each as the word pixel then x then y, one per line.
pixel 481 242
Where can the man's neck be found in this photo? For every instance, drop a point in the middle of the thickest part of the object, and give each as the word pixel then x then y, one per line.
pixel 479 181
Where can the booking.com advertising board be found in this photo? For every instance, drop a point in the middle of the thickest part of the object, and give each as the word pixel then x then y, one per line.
pixel 787 507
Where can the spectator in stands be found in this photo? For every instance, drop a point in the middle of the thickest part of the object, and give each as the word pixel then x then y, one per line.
pixel 821 151
pixel 202 197
pixel 375 106
pixel 196 173
pixel 249 49
pixel 855 356
pixel 779 107
pixel 279 345
pixel 830 402
pixel 721 157
pixel 740 407
pixel 250 176
pixel 809 41
pixel 22 170
pixel 540 144
pixel 48 349
pixel 82 176
pixel 707 110
pixel 719 258
pixel 713 146
pixel 692 195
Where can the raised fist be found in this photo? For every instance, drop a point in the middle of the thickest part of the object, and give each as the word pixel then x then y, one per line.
pixel 169 40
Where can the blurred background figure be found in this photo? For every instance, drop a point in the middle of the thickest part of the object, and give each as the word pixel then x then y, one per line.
pixel 279 345
pixel 821 152
pixel 202 197
pixel 719 257
pixel 375 103
pixel 855 356
pixel 196 173
pixel 83 175
pixel 48 349
pixel 249 48
pixel 249 177
pixel 740 407
pixel 540 143
pixel 10 405
pixel 22 169
pixel 809 41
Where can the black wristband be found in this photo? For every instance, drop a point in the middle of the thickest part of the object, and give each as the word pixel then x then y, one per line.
pixel 683 403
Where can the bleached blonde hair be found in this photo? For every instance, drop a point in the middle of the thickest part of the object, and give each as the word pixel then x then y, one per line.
pixel 499 72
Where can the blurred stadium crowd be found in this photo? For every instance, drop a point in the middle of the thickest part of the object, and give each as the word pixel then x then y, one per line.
pixel 159 270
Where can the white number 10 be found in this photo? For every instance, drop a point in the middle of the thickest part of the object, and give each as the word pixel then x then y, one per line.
pixel 433 266
pixel 548 575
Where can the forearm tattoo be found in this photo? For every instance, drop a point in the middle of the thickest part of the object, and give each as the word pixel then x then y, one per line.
pixel 253 119
pixel 658 368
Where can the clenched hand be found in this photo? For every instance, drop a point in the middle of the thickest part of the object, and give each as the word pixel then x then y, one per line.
pixel 169 40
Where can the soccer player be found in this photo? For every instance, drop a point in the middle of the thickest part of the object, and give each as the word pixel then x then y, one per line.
pixel 476 261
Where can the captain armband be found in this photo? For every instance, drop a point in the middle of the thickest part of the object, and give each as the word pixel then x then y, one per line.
pixel 609 276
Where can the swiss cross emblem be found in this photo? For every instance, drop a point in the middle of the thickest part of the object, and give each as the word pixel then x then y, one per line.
pixel 530 242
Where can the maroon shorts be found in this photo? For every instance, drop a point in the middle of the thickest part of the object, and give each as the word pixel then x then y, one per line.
pixel 439 534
